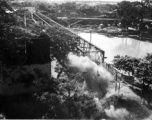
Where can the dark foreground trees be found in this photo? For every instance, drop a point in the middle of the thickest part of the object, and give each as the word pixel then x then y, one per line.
pixel 13 37
pixel 55 98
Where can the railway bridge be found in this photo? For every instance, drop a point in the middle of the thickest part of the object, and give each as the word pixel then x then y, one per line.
pixel 90 20
pixel 86 48
pixel 83 47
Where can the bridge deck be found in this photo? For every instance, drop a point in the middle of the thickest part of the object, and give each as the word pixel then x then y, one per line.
pixel 82 18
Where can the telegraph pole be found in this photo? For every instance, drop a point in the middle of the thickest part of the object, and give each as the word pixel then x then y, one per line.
pixel 90 35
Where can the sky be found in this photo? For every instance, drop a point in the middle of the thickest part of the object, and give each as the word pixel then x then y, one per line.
pixel 99 0
pixel 92 0
pixel 88 0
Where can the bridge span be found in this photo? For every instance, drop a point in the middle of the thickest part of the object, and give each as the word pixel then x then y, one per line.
pixel 86 48
pixel 95 20
pixel 91 18
pixel 83 47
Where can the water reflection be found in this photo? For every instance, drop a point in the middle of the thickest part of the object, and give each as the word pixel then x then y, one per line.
pixel 119 46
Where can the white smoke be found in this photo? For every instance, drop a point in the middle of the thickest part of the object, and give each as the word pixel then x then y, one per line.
pixel 98 104
pixel 148 118
pixel 96 78
pixel 116 113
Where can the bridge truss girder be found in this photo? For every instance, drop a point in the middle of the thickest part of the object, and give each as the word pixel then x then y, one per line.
pixel 84 48
pixel 87 49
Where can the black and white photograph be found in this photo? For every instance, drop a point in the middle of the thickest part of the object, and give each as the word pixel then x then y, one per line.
pixel 76 59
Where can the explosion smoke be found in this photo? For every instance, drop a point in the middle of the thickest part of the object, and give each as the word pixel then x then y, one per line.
pixel 96 78
pixel 116 113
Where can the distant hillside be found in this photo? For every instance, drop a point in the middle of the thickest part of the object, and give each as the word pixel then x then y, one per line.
pixel 88 2
pixel 96 2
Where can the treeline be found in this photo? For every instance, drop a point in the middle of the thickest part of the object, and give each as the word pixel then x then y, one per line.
pixel 131 14
pixel 73 9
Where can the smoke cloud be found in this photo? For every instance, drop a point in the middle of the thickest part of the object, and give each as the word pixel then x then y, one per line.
pixel 98 103
pixel 148 118
pixel 96 77
pixel 116 113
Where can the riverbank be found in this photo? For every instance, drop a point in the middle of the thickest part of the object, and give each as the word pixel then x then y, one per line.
pixel 119 35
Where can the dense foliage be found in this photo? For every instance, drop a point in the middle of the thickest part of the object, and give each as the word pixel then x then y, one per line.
pixel 140 68
pixel 62 42
pixel 69 9
pixel 66 100
pixel 13 37
pixel 52 94
pixel 133 13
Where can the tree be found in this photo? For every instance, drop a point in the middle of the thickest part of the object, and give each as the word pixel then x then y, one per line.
pixel 141 68
pixel 147 3
pixel 43 7
pixel 13 38
pixel 61 43
pixel 133 12
pixel 147 6
pixel 64 100
pixel 143 11
pixel 125 10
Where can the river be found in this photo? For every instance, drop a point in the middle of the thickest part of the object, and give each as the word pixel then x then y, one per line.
pixel 118 46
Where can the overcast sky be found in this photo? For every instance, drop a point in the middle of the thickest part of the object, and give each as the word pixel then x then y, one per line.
pixel 98 0
pixel 95 0
pixel 88 0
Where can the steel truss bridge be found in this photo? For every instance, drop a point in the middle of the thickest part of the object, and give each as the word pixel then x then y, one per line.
pixel 96 20
pixel 83 47
pixel 86 48
pixel 82 18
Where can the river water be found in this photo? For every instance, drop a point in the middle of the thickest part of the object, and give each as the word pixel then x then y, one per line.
pixel 118 46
